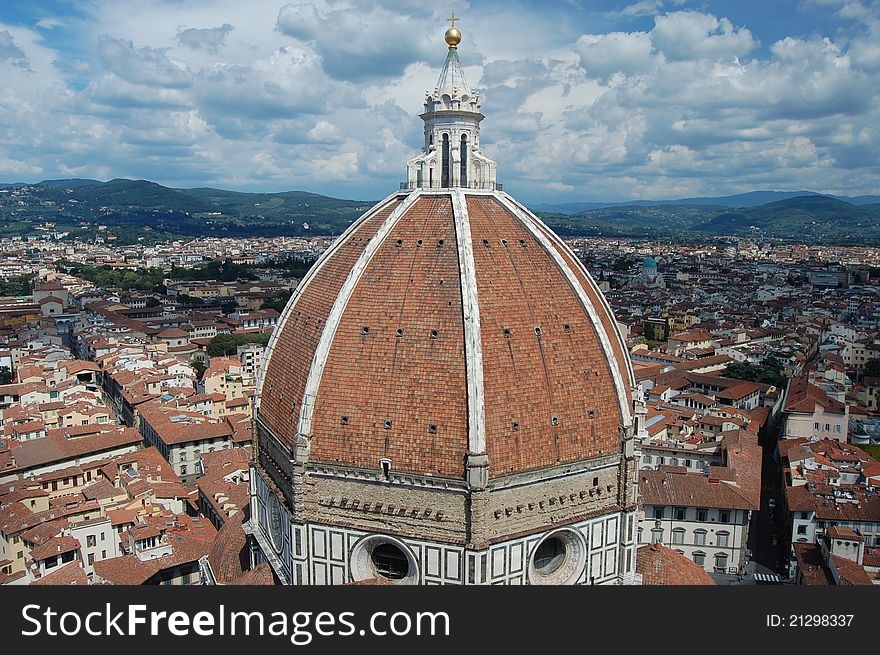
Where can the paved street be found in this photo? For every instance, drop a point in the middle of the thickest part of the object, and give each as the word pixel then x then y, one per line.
pixel 768 541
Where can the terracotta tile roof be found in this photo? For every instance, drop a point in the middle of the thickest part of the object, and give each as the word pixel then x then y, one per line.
pixel 190 540
pixel 228 555
pixel 56 447
pixel 69 574
pixel 836 532
pixel 850 572
pixel 220 460
pixel 803 397
pixel 690 489
pixel 260 575
pixel 174 425
pixel 55 546
pixel 663 566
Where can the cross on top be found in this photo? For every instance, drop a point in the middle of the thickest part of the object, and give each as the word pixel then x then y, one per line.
pixel 453 19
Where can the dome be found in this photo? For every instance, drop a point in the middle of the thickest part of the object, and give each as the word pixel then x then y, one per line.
pixel 443 323
pixel 446 398
pixel 649 262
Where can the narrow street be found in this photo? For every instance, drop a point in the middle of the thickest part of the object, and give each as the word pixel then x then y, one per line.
pixel 769 542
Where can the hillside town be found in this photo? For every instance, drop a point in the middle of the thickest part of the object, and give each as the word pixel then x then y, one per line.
pixel 126 414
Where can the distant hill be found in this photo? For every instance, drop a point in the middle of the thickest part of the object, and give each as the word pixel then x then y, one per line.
pixel 139 210
pixel 133 211
pixel 810 218
pixel 750 199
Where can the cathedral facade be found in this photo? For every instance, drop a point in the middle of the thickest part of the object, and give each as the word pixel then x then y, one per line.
pixel 447 398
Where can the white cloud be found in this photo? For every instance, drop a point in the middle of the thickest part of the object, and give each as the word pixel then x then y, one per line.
pixel 142 65
pixel 209 39
pixel 360 45
pixel 325 97
pixel 9 52
pixel 628 53
pixel 691 35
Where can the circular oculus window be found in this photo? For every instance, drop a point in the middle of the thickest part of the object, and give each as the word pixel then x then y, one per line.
pixel 380 556
pixel 558 559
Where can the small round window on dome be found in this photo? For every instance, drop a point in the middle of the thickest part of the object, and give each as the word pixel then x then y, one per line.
pixel 485 243
pixel 504 242
pixel 344 420
pixel 554 420
pixel 515 426
pixel 566 327
pixel 365 330
pixel 440 242
pixel 432 429
pixel 399 332
pixel 522 242
pixel 507 333
pixel 419 242
pixel 399 242
pixel 434 334
pixel 388 425
pixel 538 330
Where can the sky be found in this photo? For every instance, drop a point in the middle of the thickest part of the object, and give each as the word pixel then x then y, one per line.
pixel 584 101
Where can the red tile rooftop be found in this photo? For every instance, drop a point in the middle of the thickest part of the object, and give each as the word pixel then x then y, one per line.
pixel 660 565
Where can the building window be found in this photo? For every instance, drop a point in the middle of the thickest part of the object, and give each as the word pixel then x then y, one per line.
pixel 90 541
pixel 725 516
pixel 464 160
pixel 721 563
pixel 444 171
pixel 700 537
pixel 680 513
pixel 802 529
pixel 658 512
pixel 91 558
pixel 183 469
pixel 678 536
pixel 701 515
pixel 700 558
pixel 723 539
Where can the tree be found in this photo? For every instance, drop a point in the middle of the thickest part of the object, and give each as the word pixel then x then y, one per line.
pixel 770 371
pixel 872 368
pixel 278 303
pixel 200 367
pixel 224 345
pixel 5 375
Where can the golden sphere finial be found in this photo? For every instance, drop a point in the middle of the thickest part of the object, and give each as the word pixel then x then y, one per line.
pixel 453 36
